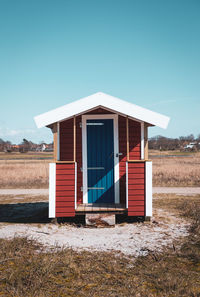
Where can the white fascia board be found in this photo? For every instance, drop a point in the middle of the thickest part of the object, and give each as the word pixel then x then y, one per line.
pixel 103 100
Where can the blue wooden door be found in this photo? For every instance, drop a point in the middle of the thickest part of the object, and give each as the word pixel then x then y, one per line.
pixel 100 161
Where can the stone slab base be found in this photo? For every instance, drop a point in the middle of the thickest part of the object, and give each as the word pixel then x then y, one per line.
pixel 100 220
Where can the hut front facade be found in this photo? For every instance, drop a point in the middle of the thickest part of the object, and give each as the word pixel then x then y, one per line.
pixel 101 159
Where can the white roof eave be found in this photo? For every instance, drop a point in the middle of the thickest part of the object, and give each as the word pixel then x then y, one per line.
pixel 105 101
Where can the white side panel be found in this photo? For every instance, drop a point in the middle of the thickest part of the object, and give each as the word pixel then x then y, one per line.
pixel 148 187
pixel 142 141
pixel 52 190
pixel 127 185
pixel 75 192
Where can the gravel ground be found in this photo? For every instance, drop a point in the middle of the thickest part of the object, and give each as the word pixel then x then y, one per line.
pixel 157 190
pixel 30 219
pixel 130 239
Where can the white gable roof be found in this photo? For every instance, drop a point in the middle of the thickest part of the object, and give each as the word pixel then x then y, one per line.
pixel 102 100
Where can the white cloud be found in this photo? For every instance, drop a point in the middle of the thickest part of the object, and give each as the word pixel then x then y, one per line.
pixel 6 132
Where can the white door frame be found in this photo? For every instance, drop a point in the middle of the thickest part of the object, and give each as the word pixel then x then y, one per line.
pixel 116 152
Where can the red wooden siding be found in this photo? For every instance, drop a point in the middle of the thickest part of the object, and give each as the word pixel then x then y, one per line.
pixel 134 140
pixel 122 158
pixel 99 111
pixel 134 150
pixel 65 183
pixel 136 189
pixel 79 160
pixel 65 190
pixel 67 140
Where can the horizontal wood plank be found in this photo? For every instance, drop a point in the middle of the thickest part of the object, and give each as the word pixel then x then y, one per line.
pixel 133 203
pixel 65 188
pixel 65 214
pixel 64 166
pixel 65 177
pixel 68 204
pixel 68 182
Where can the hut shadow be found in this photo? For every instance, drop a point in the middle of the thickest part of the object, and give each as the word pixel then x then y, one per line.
pixel 33 212
pixel 36 212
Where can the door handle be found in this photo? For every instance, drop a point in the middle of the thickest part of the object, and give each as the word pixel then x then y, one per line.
pixel 119 154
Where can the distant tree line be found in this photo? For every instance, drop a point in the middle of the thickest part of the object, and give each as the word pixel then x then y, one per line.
pixel 24 146
pixel 159 142
pixel 188 143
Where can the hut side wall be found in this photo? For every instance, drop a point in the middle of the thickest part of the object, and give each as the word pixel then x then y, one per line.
pixel 136 189
pixel 134 140
pixel 65 190
pixel 66 140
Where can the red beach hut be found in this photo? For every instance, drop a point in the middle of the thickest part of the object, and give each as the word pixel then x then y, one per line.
pixel 100 157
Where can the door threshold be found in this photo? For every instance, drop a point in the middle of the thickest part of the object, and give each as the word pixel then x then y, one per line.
pixel 101 207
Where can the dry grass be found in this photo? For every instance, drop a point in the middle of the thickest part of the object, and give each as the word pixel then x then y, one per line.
pixel 167 171
pixel 24 174
pixel 176 171
pixel 26 269
pixel 26 156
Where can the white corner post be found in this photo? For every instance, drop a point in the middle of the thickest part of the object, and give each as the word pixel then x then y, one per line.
pixel 75 185
pixel 142 140
pixel 148 189
pixel 52 190
pixel 127 185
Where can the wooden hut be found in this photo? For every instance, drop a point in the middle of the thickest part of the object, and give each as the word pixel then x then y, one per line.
pixel 101 159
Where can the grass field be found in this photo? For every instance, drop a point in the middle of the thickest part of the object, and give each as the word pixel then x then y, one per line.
pixel 26 156
pixel 24 173
pixel 27 269
pixel 178 170
pixel 169 169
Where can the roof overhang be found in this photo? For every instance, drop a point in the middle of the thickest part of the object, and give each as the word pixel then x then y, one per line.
pixel 103 100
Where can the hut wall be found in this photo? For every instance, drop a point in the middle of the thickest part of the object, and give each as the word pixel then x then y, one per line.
pixel 65 190
pixel 66 136
pixel 136 189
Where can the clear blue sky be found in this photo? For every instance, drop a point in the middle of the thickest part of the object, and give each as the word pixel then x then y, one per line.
pixel 54 52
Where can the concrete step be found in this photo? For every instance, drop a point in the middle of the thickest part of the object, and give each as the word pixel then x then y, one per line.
pixel 101 220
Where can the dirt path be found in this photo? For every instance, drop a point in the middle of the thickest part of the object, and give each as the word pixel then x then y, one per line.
pixel 156 190
pixel 177 190
pixel 24 191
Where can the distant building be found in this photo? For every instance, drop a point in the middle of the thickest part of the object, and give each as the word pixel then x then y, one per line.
pixel 191 145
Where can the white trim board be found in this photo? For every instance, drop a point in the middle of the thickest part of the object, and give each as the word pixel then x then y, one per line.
pixel 148 189
pixel 75 186
pixel 126 184
pixel 142 141
pixel 116 152
pixel 52 190
pixel 106 101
